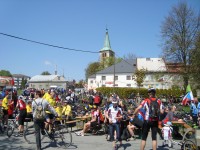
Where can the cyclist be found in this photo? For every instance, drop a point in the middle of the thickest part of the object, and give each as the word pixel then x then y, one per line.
pixel 5 105
pixel 49 115
pixel 21 105
pixel 150 122
pixel 39 124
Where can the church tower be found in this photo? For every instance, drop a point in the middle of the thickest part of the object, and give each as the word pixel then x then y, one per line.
pixel 106 51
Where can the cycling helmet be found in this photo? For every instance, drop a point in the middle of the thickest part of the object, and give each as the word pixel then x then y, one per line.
pixel 114 101
pixel 169 123
pixel 151 90
pixel 20 97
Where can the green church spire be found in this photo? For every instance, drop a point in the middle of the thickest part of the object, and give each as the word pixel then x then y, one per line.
pixel 106 42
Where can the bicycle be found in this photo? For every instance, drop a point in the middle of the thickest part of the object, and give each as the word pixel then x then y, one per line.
pixel 13 125
pixel 3 129
pixel 185 144
pixel 59 134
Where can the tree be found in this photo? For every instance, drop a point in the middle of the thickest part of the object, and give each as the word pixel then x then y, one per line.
pixel 5 73
pixel 45 73
pixel 80 84
pixel 129 56
pixel 108 61
pixel 138 76
pixel 92 69
pixel 23 83
pixel 195 63
pixel 179 31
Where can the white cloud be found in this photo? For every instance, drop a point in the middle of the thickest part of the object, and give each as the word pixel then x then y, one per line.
pixel 46 62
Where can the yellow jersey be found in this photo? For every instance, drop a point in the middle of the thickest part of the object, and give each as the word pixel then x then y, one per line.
pixel 46 96
pixel 52 103
pixel 28 109
pixel 59 110
pixel 5 103
pixel 67 110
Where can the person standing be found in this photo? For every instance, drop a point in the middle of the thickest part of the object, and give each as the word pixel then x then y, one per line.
pixel 152 106
pixel 21 105
pixel 5 105
pixel 194 110
pixel 39 123
pixel 114 116
pixel 49 115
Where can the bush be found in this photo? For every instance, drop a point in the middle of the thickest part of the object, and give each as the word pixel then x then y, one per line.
pixel 125 92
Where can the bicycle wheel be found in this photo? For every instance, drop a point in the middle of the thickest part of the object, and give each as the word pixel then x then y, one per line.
pixel 189 135
pixel 63 136
pixel 29 134
pixel 189 145
pixel 10 130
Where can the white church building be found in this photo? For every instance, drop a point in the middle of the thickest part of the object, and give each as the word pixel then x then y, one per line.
pixel 159 74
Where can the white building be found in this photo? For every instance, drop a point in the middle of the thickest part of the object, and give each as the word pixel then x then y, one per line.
pixel 122 71
pixel 159 74
pixel 47 81
pixel 156 74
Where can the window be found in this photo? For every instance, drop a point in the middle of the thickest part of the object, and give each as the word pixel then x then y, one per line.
pixel 128 77
pixel 128 85
pixel 116 78
pixel 148 59
pixel 103 85
pixel 103 78
pixel 103 54
pixel 91 81
pixel 58 78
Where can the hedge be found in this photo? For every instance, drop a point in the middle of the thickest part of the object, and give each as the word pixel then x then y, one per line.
pixel 125 92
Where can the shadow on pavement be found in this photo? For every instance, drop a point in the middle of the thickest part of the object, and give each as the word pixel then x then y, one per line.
pixel 58 145
pixel 125 146
pixel 7 144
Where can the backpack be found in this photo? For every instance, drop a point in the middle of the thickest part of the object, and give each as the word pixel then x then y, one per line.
pixel 137 122
pixel 154 110
pixel 96 99
pixel 22 105
pixel 39 111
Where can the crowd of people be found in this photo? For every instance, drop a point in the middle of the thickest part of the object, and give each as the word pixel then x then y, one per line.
pixel 112 112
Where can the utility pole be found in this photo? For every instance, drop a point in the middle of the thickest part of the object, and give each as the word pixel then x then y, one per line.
pixel 114 77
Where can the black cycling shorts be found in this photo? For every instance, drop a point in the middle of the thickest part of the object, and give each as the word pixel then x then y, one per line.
pixel 146 127
pixel 22 116
pixel 49 116
pixel 93 124
pixel 5 112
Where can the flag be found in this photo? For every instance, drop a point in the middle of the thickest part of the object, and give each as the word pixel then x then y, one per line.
pixel 188 96
pixel 188 89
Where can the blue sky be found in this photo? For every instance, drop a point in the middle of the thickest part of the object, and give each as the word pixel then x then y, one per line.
pixel 133 26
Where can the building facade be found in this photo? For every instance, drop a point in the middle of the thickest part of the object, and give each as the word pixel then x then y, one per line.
pixel 47 81
pixel 157 75
pixel 18 78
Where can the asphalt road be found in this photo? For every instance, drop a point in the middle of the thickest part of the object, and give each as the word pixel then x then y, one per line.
pixel 88 142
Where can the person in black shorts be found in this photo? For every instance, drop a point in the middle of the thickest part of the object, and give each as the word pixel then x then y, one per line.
pixel 149 122
pixel 21 105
